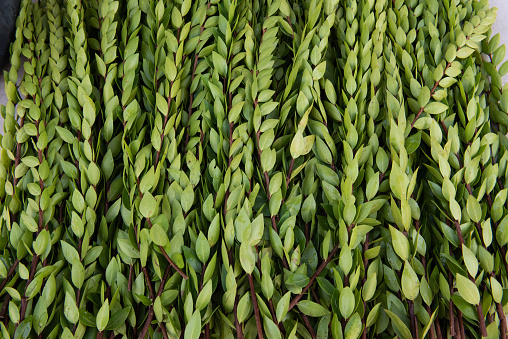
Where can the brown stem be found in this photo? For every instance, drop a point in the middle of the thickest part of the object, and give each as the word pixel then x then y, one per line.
pixel 308 326
pixel 267 188
pixel 365 263
pixel 129 284
pixel 483 327
pixel 414 325
pixel 502 318
pixel 432 334
pixel 256 309
pixel 239 332
pixel 11 272
pixel 431 94
pixel 143 333
pixel 450 305
pixel 274 317
pixel 159 292
pixel 314 276
pixel 149 283
pixel 172 263
pixel 160 247
pixel 231 129
pixel 163 330
pixel 461 325
pixel 166 118
pixel 191 97
pixel 35 259
pixel 288 178
pixel 3 312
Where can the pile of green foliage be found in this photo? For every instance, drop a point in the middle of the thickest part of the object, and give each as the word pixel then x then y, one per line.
pixel 271 168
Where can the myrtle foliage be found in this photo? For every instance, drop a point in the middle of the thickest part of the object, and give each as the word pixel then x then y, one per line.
pixel 268 168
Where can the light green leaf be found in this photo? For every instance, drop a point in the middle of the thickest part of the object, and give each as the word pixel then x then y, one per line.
pixel 354 327
pixel 410 282
pixel 103 316
pixel 312 309
pixel 399 325
pixel 158 235
pixel 435 108
pixel 283 306
pixel 204 296
pixel 247 257
pixel 193 328
pixel 474 209
pixel 400 243
pixel 346 302
pixel 202 248
pixel 468 290
pixel 148 205
pixel 319 71
pixel 470 260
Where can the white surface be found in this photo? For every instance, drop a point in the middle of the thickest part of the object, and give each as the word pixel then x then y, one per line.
pixel 500 26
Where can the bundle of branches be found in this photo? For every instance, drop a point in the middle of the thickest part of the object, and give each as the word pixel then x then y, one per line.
pixel 267 168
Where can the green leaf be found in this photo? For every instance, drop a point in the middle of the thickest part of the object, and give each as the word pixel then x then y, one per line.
pixel 219 63
pixel 312 309
pixel 148 205
pixel 202 248
pixel 464 52
pixel 69 252
pixel 319 71
pixel 94 173
pixel 103 316
pixel 148 181
pixel 13 293
pixel 244 307
pixel 502 232
pixel 410 282
pixel 158 235
pixel 29 222
pixel 399 325
pixel 268 158
pixel 470 260
pixel 435 108
pixel 354 327
pixel 187 198
pixel 373 314
pixel 30 161
pixel 65 134
pixel 235 111
pixel 126 247
pixel 474 209
pixel 193 328
pixel 118 319
pixel 247 257
pixel 369 288
pixel 400 243
pixel 283 306
pixel 301 145
pixel 41 243
pixel 455 209
pixel 257 230
pixel 204 296
pixel 70 309
pixel 346 302
pixel 467 290
pixel 87 318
